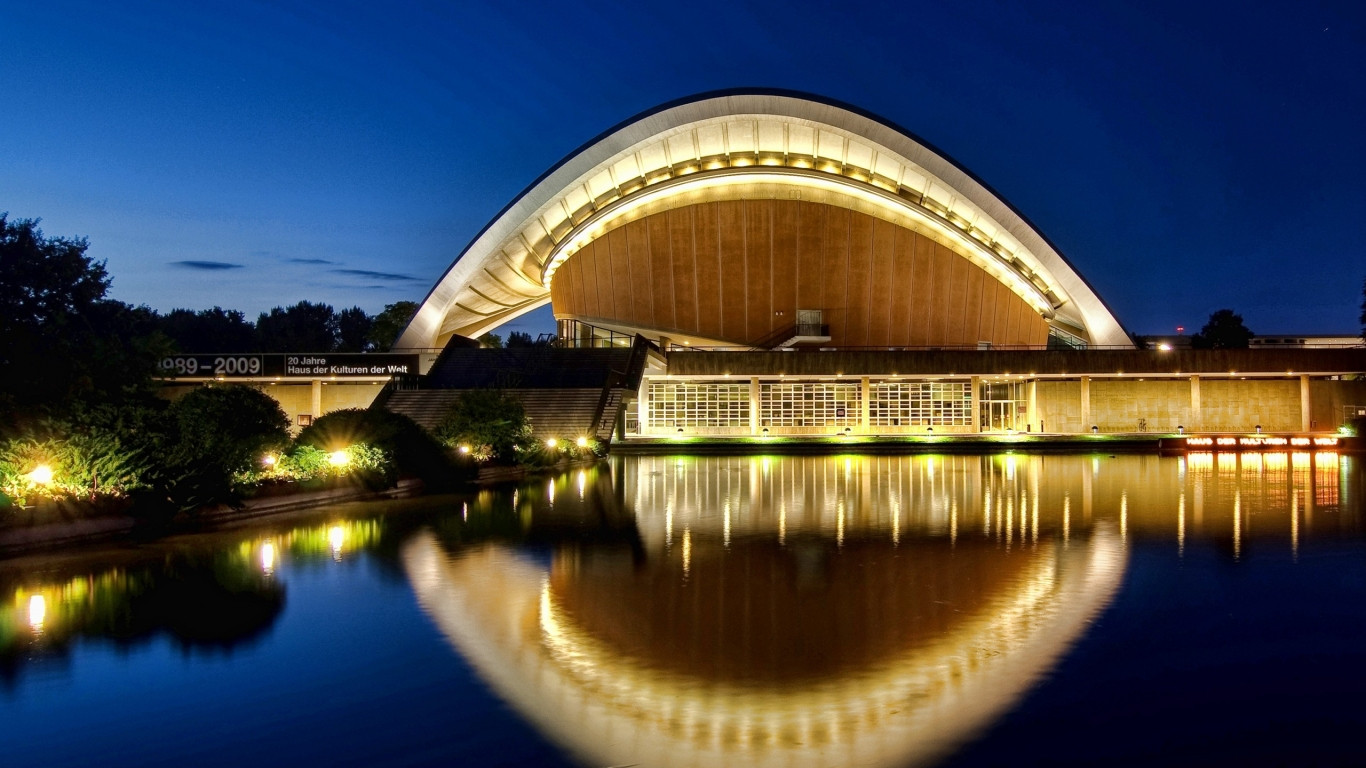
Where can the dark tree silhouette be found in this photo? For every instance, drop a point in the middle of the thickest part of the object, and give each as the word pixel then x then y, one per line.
pixel 1225 330
pixel 302 327
pixel 353 330
pixel 209 330
pixel 63 345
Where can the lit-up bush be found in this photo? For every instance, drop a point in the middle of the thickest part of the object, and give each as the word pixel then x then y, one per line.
pixel 410 450
pixel 493 425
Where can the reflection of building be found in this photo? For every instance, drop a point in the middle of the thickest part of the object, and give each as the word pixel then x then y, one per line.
pixel 780 223
pixel 760 652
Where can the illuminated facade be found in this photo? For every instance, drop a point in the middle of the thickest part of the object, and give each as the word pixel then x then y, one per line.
pixel 717 219
pixel 731 229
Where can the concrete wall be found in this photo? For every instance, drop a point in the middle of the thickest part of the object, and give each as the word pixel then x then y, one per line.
pixel 1240 405
pixel 1122 405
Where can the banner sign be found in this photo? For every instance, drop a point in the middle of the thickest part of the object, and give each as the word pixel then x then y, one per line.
pixel 313 366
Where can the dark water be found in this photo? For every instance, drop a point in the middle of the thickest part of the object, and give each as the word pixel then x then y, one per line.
pixel 1013 609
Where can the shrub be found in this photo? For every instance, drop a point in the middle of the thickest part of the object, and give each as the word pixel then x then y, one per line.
pixel 410 448
pixel 217 433
pixel 491 423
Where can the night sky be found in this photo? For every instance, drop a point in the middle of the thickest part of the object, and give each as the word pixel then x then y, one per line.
pixel 1184 156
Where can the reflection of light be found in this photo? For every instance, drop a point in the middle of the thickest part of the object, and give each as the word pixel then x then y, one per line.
pixel 41 475
pixel 336 536
pixel 37 612
pixel 268 557
pixel 583 483
pixel 687 551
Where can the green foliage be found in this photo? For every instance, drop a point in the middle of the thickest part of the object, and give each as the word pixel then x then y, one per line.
pixel 492 423
pixel 85 463
pixel 491 340
pixel 413 450
pixel 1225 330
pixel 218 433
pixel 388 324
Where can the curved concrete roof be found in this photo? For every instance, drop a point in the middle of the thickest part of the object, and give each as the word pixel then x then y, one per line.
pixel 722 145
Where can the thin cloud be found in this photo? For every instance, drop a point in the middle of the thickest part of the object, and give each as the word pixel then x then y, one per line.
pixel 373 275
pixel 208 266
pixel 310 261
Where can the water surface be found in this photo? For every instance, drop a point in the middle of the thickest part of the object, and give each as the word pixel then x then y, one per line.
pixel 964 610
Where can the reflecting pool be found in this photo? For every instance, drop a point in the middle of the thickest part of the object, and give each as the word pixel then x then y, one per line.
pixel 680 611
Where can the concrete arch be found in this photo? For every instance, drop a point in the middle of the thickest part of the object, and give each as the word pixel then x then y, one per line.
pixel 746 145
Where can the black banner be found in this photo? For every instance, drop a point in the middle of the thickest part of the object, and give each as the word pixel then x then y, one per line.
pixel 317 365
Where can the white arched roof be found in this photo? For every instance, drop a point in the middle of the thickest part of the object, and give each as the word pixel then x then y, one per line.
pixel 724 146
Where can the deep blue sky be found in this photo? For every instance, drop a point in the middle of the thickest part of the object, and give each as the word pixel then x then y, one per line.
pixel 1185 156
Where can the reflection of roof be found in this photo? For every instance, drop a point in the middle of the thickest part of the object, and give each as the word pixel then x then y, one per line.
pixel 507 618
pixel 733 145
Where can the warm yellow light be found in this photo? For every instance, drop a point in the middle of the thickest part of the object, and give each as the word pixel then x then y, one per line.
pixel 42 475
pixel 268 460
pixel 336 536
pixel 37 611
pixel 552 443
pixel 268 557
pixel 464 449
pixel 1164 347
pixel 582 442
pixel 339 459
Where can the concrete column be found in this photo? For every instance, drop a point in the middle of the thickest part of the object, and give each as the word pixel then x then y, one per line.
pixel 864 422
pixel 1032 410
pixel 754 406
pixel 317 404
pixel 1196 419
pixel 1305 411
pixel 643 406
pixel 976 403
pixel 1085 403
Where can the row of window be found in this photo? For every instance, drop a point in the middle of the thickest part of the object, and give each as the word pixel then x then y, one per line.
pixel 808 404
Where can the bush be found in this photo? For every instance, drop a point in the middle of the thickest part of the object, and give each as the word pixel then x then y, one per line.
pixel 218 433
pixel 491 423
pixel 412 450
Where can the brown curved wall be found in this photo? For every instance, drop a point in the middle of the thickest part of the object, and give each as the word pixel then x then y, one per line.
pixel 724 270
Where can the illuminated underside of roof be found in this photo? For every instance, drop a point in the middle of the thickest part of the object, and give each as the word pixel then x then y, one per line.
pixel 746 146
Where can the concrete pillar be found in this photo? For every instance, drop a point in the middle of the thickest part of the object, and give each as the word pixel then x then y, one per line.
pixel 976 403
pixel 864 422
pixel 317 403
pixel 1305 411
pixel 1196 419
pixel 643 407
pixel 1032 410
pixel 1085 403
pixel 754 406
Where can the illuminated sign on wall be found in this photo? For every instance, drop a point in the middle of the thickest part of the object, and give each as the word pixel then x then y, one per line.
pixel 317 365
pixel 1252 443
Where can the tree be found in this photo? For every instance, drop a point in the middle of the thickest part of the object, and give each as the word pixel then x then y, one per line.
pixel 491 340
pixel 520 339
pixel 62 343
pixel 387 325
pixel 1225 330
pixel 303 327
pixel 1363 310
pixel 209 330
pixel 353 330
